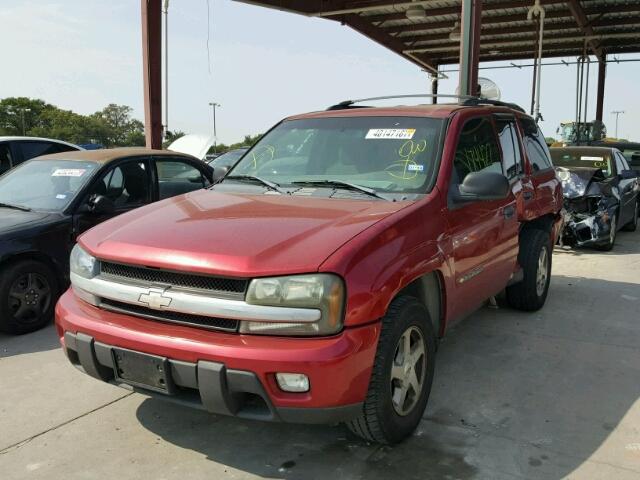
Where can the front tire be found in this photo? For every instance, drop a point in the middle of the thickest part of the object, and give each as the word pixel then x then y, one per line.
pixel 535 260
pixel 402 374
pixel 633 224
pixel 613 232
pixel 28 293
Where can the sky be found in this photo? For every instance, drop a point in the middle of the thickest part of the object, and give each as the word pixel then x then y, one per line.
pixel 261 65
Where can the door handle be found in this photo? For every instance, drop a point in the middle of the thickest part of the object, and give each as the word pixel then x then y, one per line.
pixel 509 211
pixel 527 195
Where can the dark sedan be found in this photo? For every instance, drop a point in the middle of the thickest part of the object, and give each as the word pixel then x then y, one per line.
pixel 601 192
pixel 47 202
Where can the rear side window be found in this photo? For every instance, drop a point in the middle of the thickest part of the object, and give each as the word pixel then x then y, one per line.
pixel 477 149
pixel 176 177
pixel 535 145
pixel 35 149
pixel 508 136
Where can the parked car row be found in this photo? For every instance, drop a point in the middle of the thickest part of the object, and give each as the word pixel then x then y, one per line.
pixel 310 277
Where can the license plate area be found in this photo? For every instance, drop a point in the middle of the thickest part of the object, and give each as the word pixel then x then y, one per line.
pixel 142 370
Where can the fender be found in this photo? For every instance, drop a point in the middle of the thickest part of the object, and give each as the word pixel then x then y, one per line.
pixel 382 260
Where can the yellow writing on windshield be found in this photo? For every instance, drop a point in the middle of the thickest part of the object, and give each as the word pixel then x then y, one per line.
pixel 406 168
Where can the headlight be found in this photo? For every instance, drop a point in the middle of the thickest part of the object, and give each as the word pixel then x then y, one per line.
pixel 82 263
pixel 321 291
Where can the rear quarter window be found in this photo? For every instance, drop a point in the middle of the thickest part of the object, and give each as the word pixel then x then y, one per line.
pixel 535 145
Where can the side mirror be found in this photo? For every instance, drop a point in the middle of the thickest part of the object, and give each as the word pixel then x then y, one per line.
pixel 219 173
pixel 478 186
pixel 101 205
pixel 629 174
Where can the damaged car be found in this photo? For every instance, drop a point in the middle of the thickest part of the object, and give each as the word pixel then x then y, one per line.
pixel 601 195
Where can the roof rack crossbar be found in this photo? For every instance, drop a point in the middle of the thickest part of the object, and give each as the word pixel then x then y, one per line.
pixel 348 103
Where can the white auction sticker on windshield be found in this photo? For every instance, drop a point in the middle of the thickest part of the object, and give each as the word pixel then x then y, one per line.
pixel 597 159
pixel 68 172
pixel 392 133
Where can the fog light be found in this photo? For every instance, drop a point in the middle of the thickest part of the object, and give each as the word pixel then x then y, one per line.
pixel 293 382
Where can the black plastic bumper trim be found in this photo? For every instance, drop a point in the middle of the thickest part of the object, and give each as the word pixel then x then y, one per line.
pixel 207 386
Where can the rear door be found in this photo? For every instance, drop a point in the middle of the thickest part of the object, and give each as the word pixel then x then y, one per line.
pixel 484 234
pixel 539 170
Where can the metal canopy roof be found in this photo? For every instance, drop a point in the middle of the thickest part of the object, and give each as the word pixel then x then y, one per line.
pixel 571 28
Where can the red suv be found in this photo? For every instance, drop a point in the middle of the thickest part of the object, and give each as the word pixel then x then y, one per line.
pixel 312 284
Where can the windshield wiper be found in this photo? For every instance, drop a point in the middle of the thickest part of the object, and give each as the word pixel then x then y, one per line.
pixel 339 184
pixel 15 207
pixel 266 183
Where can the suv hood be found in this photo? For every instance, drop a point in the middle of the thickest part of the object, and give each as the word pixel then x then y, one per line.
pixel 196 145
pixel 235 235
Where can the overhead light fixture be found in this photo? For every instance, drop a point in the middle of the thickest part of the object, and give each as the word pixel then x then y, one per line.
pixel 494 52
pixel 455 32
pixel 416 12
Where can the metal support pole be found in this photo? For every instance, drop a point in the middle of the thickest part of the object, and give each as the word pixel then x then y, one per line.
pixel 152 71
pixel 586 90
pixel 213 105
pixel 434 89
pixel 602 72
pixel 469 46
pixel 165 10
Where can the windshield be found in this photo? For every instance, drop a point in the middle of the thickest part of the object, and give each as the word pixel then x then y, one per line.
pixel 564 157
pixel 387 154
pixel 228 159
pixel 45 184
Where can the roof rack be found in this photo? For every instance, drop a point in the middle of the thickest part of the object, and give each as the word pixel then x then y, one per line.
pixel 350 103
pixel 462 100
pixel 497 103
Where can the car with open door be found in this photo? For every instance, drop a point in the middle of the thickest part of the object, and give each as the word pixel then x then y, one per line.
pixel 601 195
pixel 313 283
pixel 46 202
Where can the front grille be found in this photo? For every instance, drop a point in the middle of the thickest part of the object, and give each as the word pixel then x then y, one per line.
pixel 227 286
pixel 211 323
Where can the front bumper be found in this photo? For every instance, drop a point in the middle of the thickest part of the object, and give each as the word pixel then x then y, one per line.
pixel 583 229
pixel 224 373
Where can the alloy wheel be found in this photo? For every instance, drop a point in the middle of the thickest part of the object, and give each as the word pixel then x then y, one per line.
pixel 29 297
pixel 543 271
pixel 408 371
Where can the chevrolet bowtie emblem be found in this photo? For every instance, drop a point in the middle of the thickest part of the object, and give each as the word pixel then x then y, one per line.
pixel 155 299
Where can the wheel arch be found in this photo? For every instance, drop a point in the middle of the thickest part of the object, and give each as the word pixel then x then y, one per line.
pixel 38 257
pixel 429 290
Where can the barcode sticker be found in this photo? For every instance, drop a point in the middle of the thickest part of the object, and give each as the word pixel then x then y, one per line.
pixel 392 133
pixel 68 172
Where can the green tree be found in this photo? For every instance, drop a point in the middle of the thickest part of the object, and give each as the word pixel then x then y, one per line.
pixel 120 129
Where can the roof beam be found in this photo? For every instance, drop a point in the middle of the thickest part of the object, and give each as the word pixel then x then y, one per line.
pixel 362 7
pixel 489 44
pixel 583 22
pixel 434 12
pixel 360 25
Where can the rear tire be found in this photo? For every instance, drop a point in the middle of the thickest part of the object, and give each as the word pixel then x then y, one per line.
pixel 404 363
pixel 28 294
pixel 535 260
pixel 633 224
